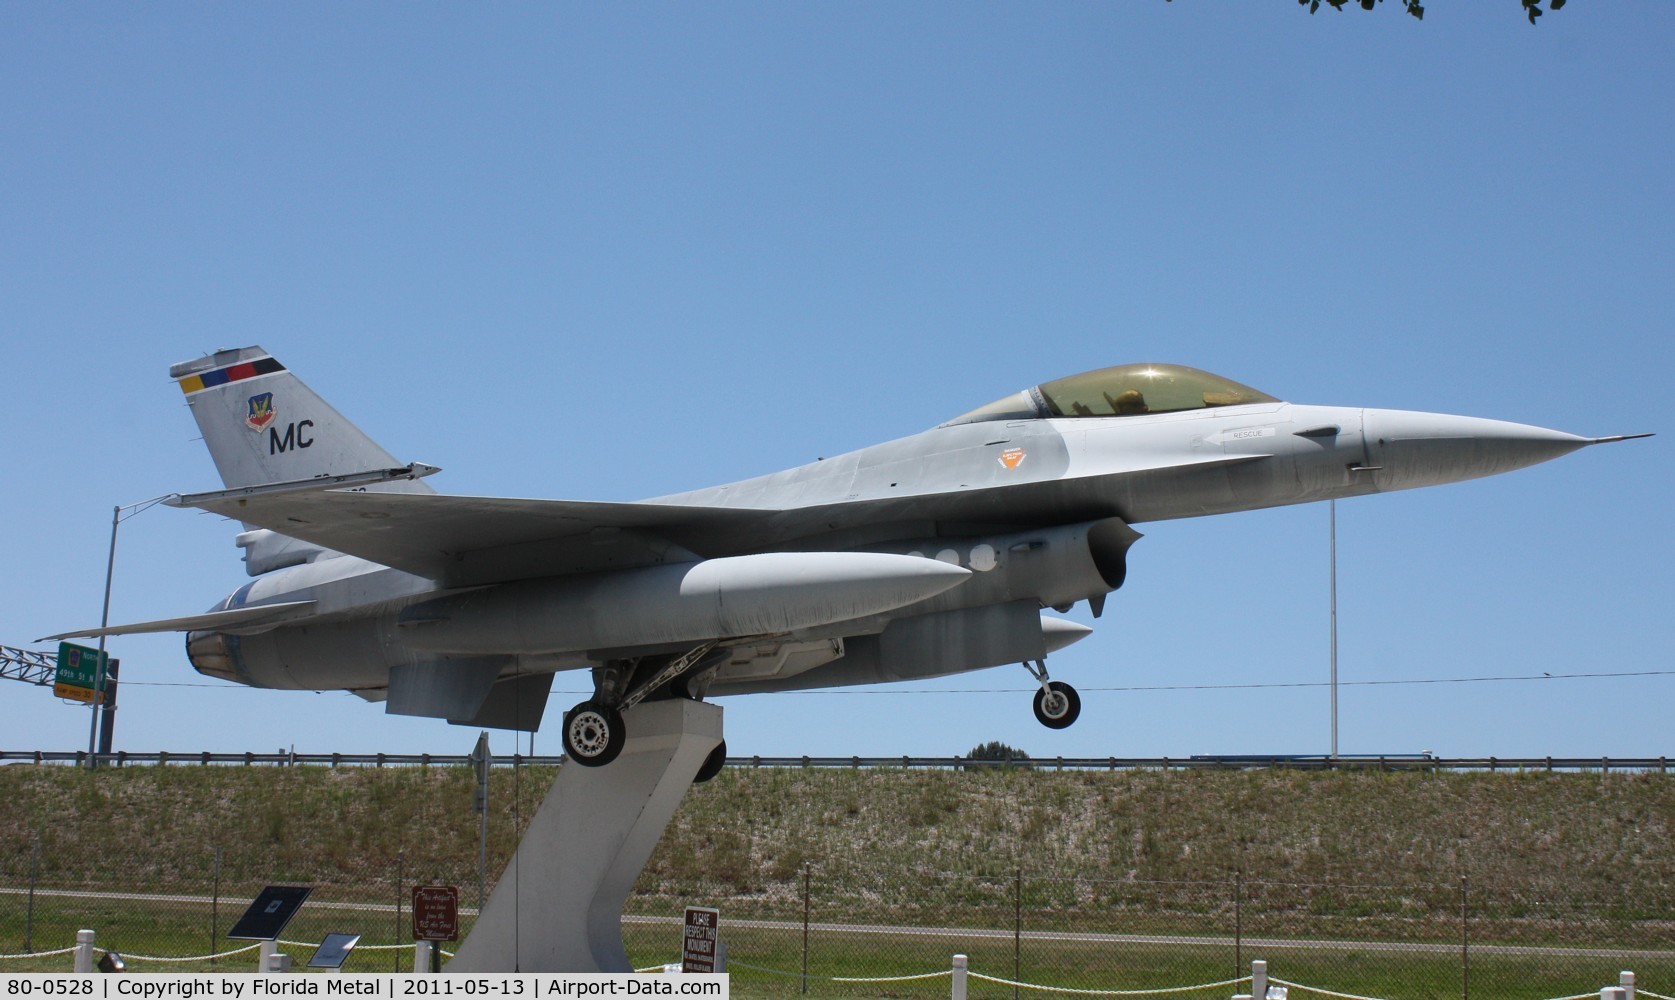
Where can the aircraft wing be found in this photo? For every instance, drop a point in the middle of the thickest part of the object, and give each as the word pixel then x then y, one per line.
pixel 466 541
pixel 240 621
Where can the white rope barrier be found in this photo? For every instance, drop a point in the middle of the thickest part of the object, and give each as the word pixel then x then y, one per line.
pixel 1111 993
pixel 1642 992
pixel 1332 993
pixel 193 958
pixel 1580 996
pixel 61 951
pixel 892 979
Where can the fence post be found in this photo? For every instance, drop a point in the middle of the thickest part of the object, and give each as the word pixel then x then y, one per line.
pixel 1017 929
pixel 1625 979
pixel 1258 979
pixel 215 904
pixel 957 987
pixel 1465 940
pixel 400 859
pixel 84 950
pixel 34 874
pixel 1238 922
pixel 805 925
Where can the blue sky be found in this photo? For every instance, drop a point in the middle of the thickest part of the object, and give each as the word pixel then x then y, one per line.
pixel 615 251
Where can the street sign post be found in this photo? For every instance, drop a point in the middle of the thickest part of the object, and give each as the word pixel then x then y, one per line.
pixel 697 952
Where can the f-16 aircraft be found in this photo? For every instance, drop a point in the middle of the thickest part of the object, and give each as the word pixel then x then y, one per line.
pixel 930 555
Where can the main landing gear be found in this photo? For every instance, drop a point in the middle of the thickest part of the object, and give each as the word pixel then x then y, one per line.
pixel 1056 703
pixel 594 732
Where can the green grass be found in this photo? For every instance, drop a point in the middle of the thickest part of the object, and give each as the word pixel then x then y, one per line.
pixel 1569 860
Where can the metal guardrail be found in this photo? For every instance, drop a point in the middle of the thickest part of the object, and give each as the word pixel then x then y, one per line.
pixel 1201 762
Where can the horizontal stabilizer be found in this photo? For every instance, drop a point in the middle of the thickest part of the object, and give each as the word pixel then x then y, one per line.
pixel 240 621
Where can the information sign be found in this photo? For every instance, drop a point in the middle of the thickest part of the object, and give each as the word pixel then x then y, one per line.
pixel 697 951
pixel 78 674
pixel 333 951
pixel 266 918
pixel 435 913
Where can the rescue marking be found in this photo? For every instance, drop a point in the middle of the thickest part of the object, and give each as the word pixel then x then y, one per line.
pixel 1012 457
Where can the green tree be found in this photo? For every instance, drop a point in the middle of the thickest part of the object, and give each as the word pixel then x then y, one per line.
pixel 996 750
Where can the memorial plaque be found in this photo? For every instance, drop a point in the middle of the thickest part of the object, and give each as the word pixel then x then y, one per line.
pixel 435 913
pixel 334 951
pixel 266 918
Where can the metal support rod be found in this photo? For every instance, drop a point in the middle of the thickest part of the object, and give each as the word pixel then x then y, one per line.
pixel 1332 505
pixel 99 661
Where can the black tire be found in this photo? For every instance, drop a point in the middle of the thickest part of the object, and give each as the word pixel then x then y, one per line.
pixel 593 734
pixel 712 764
pixel 1066 707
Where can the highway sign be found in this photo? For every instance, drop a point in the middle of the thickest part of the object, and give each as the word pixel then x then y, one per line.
pixel 435 913
pixel 78 674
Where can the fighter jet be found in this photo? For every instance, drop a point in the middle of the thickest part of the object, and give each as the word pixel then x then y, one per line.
pixel 934 554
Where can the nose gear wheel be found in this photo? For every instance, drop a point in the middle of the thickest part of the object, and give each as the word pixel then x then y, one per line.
pixel 1056 703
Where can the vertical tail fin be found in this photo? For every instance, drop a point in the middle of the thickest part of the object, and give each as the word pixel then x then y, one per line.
pixel 263 425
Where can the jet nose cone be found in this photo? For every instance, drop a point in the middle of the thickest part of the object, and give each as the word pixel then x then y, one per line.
pixel 1408 449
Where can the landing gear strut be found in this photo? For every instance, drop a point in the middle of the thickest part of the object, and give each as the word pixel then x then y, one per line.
pixel 1056 703
pixel 593 730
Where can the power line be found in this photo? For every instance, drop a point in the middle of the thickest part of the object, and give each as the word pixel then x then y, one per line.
pixel 1138 687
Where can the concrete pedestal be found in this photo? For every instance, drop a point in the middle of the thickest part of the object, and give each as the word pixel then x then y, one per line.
pixel 558 907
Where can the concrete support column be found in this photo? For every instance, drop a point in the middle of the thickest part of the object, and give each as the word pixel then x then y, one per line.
pixel 558 907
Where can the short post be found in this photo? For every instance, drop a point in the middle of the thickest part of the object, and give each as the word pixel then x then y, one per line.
pixel 1258 979
pixel 84 950
pixel 1625 979
pixel 277 963
pixel 421 956
pixel 1611 993
pixel 957 989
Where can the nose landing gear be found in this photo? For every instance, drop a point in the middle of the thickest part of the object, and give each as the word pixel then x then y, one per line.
pixel 1057 704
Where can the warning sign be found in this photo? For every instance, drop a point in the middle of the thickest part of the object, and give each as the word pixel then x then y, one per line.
pixel 697 952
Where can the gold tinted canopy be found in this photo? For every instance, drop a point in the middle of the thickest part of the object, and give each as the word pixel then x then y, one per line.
pixel 1124 390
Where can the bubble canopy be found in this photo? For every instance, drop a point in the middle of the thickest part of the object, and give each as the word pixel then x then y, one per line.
pixel 1122 391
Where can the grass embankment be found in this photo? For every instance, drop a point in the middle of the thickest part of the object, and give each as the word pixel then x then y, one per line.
pixel 1580 860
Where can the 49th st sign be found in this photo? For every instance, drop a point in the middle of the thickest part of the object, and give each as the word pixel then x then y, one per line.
pixel 78 673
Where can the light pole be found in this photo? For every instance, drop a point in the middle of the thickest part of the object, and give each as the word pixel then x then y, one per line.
pixel 117 517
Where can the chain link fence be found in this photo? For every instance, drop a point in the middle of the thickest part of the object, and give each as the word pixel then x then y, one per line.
pixel 168 885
